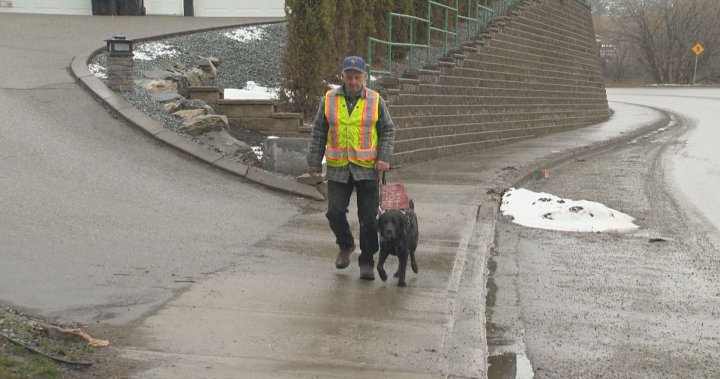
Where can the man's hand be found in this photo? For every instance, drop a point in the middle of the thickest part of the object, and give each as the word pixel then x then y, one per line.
pixel 382 166
pixel 313 174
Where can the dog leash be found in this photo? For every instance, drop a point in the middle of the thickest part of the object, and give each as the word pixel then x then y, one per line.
pixel 381 178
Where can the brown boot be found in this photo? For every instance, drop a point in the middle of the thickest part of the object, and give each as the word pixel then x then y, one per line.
pixel 367 272
pixel 343 257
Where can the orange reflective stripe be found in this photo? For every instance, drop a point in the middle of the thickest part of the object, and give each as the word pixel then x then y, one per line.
pixel 332 104
pixel 369 118
pixel 335 153
pixel 363 131
pixel 363 155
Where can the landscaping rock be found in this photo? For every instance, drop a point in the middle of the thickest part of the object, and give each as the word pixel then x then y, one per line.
pixel 159 75
pixel 164 97
pixel 189 113
pixel 160 86
pixel 230 146
pixel 205 124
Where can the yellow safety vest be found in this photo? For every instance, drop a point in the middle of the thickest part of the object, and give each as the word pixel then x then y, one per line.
pixel 351 138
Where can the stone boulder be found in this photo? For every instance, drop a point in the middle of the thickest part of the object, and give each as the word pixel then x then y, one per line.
pixel 230 146
pixel 205 124
pixel 209 66
pixel 165 96
pixel 197 77
pixel 160 86
pixel 159 75
pixel 189 113
pixel 188 108
pixel 192 104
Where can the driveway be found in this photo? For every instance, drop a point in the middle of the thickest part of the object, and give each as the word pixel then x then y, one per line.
pixel 99 221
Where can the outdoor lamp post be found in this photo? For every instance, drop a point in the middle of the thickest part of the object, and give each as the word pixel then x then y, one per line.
pixel 119 46
pixel 120 63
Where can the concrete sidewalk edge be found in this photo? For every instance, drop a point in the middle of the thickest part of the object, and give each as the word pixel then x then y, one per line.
pixel 131 115
pixel 549 162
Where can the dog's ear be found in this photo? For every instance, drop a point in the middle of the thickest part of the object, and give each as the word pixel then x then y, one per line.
pixel 412 204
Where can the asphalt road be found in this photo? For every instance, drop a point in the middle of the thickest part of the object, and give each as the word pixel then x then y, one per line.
pixel 97 220
pixel 693 166
pixel 642 304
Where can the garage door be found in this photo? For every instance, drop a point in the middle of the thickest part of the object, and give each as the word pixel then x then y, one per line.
pixel 240 8
pixel 48 6
pixel 164 7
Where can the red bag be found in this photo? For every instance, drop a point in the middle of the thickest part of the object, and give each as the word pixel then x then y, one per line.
pixel 393 196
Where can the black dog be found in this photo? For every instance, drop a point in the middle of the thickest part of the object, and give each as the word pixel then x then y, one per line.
pixel 399 236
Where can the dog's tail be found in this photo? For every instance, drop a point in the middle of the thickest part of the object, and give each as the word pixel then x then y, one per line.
pixel 412 205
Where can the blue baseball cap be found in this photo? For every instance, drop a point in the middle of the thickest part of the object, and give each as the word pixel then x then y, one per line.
pixel 354 63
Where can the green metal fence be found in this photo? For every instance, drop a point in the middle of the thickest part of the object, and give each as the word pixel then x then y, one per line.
pixel 457 29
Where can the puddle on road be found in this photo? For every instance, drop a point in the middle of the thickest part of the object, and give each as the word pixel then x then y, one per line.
pixel 509 366
pixel 502 366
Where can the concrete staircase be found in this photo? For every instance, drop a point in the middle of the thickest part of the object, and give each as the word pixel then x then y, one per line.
pixel 536 71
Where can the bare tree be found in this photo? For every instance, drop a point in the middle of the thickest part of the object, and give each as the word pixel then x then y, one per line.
pixel 599 7
pixel 616 52
pixel 663 31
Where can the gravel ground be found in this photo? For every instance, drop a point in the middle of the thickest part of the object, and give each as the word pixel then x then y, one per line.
pixel 252 53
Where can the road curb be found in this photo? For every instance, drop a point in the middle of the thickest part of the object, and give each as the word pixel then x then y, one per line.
pixel 133 116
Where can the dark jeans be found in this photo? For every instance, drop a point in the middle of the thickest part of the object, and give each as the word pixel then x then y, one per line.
pixel 367 203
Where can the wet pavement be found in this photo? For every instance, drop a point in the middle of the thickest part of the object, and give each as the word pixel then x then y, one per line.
pixel 213 276
pixel 639 304
pixel 694 167
pixel 285 311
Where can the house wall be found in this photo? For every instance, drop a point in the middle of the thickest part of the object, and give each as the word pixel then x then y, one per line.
pixel 164 7
pixel 202 8
pixel 240 8
pixel 77 7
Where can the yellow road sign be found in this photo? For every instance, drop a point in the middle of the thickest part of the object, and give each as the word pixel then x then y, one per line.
pixel 698 49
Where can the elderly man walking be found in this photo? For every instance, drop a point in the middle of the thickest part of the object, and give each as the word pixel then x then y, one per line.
pixel 354 132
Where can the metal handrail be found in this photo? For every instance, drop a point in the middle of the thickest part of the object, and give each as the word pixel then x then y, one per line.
pixel 484 14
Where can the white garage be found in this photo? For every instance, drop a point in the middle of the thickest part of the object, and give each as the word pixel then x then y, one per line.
pixel 239 8
pixel 201 8
pixel 164 7
pixel 47 6
pixel 217 8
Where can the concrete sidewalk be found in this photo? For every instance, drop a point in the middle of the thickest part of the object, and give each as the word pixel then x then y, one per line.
pixel 284 311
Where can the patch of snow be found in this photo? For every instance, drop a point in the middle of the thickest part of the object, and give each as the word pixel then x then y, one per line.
pixel 258 151
pixel 545 211
pixel 97 70
pixel 251 91
pixel 152 50
pixel 247 34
